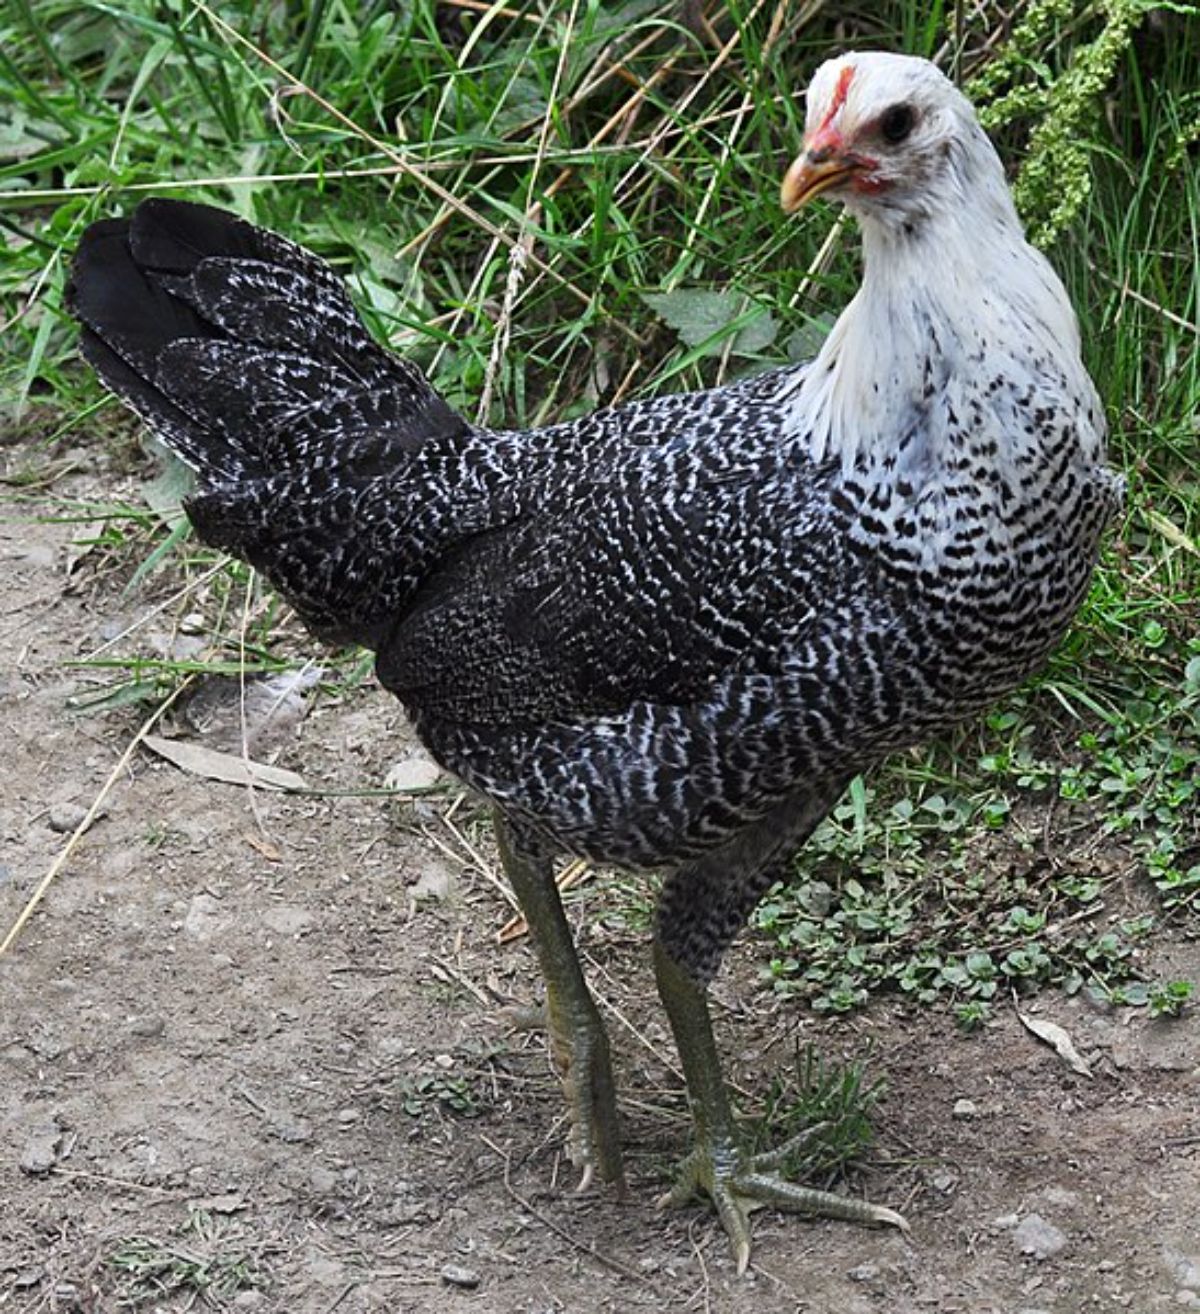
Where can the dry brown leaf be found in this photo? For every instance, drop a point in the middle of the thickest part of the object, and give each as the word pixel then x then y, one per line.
pixel 265 847
pixel 207 762
pixel 1057 1036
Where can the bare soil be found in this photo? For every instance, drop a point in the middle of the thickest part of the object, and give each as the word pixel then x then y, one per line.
pixel 243 1067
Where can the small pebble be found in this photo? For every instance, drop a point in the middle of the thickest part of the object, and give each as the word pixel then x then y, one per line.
pixel 1123 1055
pixel 435 885
pixel 415 775
pixel 1034 1236
pixel 147 1027
pixel 290 1130
pixel 348 1116
pixel 65 817
pixel 456 1275
pixel 864 1273
pixel 322 1180
pixel 965 1109
pixel 41 1151
pixel 1183 1267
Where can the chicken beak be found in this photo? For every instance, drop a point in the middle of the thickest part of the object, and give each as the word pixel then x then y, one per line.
pixel 812 173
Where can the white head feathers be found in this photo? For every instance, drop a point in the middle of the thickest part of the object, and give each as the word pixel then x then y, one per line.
pixel 952 294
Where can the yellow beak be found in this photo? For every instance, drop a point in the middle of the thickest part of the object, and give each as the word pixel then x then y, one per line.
pixel 811 174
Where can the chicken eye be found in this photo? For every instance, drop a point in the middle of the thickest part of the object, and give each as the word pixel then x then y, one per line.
pixel 897 123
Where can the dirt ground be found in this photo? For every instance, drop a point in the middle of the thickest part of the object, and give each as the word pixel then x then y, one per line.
pixel 242 1066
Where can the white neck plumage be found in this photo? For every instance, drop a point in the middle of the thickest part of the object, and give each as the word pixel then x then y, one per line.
pixel 951 299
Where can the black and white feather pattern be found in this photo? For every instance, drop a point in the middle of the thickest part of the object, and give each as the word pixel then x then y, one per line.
pixel 648 632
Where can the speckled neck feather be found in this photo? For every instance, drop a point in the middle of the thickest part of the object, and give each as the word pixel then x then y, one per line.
pixel 952 297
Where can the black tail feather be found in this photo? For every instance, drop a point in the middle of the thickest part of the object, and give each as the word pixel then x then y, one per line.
pixel 224 336
pixel 173 237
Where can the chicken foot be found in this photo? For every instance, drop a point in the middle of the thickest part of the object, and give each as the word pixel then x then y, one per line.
pixel 719 1165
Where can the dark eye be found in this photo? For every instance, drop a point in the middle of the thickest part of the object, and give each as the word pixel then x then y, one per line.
pixel 897 123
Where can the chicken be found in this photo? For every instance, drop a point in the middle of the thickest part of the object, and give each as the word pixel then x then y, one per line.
pixel 665 635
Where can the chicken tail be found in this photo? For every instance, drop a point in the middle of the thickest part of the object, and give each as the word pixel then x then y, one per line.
pixel 244 354
pixel 238 347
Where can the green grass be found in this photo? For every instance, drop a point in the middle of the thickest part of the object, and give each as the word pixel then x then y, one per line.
pixel 205 1261
pixel 420 147
pixel 817 1117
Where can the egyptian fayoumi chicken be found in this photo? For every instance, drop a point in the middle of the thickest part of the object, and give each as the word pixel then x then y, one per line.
pixel 666 635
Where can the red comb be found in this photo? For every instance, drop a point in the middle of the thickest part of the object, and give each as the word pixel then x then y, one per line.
pixel 845 77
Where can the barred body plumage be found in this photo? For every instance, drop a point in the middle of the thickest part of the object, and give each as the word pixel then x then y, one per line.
pixel 667 634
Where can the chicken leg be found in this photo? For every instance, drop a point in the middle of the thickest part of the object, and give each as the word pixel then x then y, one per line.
pixel 577 1033
pixel 719 1165
pixel 704 904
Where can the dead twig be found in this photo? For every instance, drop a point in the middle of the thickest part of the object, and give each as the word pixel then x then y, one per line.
pixel 606 1260
pixel 89 817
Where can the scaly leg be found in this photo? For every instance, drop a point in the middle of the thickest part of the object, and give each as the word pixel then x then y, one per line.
pixel 719 1164
pixel 703 906
pixel 577 1033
